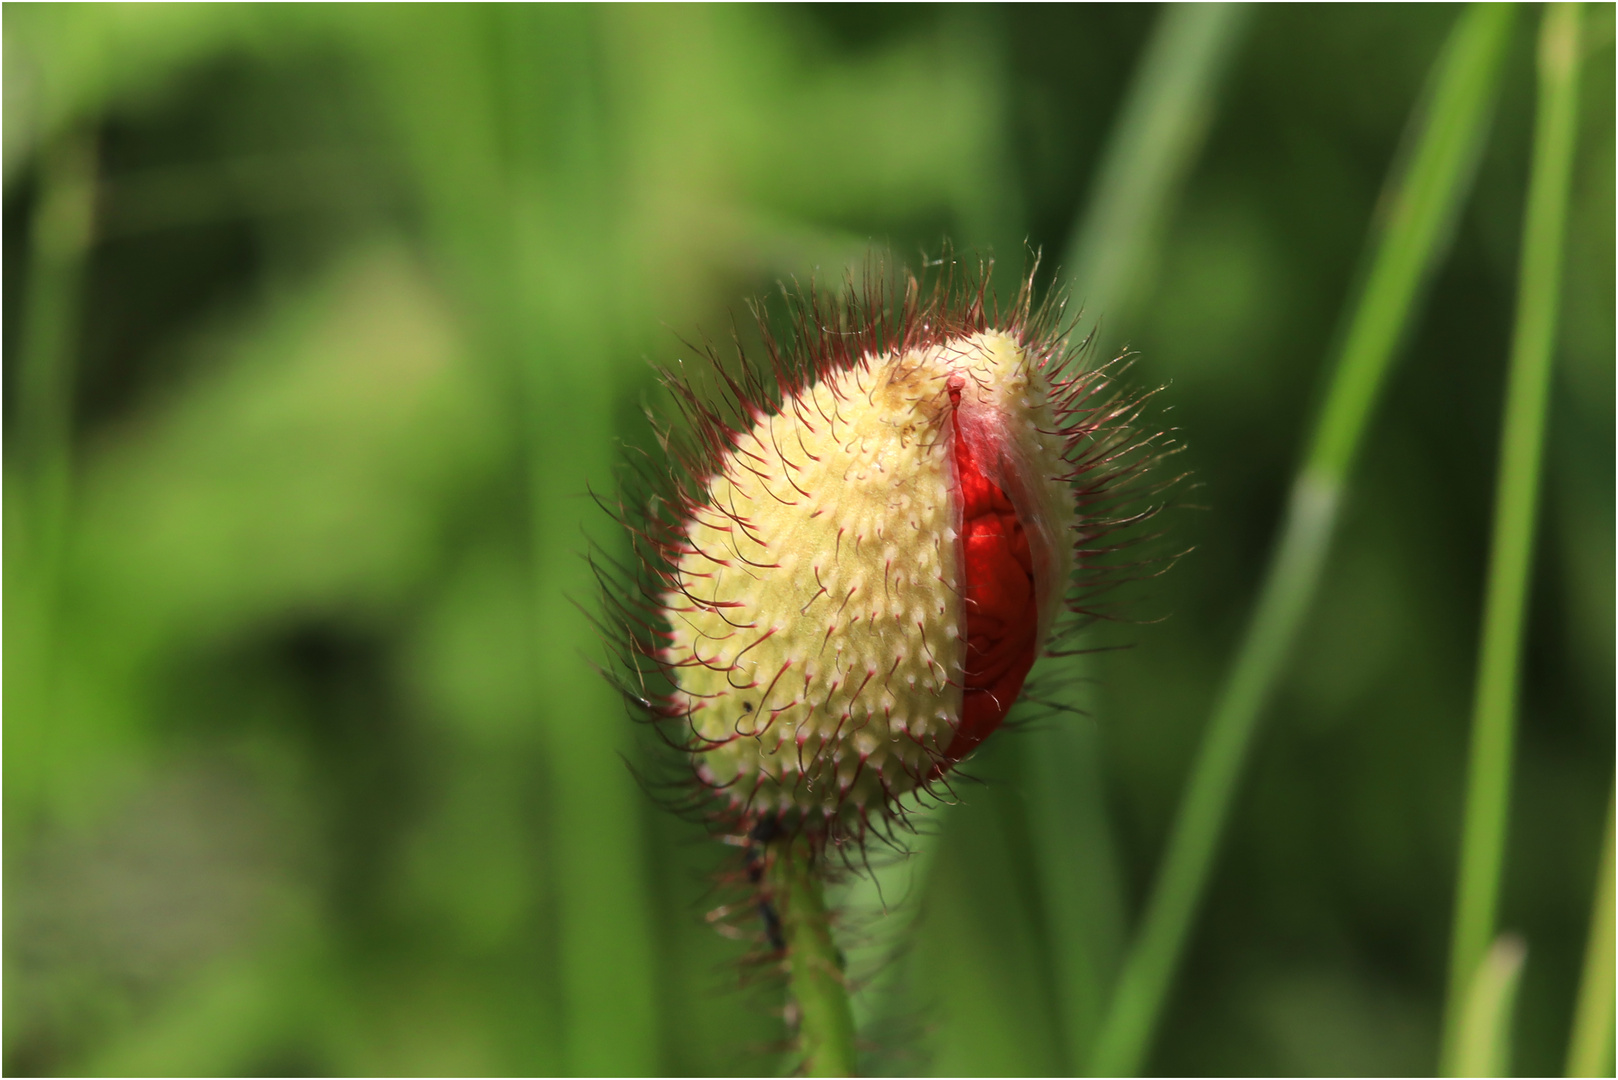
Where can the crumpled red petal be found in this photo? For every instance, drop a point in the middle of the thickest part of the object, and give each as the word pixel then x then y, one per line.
pixel 1001 603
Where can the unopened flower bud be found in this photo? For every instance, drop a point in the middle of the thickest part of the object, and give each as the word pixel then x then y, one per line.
pixel 863 569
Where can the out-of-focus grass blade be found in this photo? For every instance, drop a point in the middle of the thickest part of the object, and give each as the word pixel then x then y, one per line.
pixel 1421 203
pixel 1590 1048
pixel 59 242
pixel 1483 1036
pixel 1488 793
pixel 1159 130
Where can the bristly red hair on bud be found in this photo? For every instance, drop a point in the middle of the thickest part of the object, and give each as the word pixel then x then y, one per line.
pixel 846 554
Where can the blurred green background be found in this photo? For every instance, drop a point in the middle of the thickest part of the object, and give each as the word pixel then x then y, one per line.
pixel 306 768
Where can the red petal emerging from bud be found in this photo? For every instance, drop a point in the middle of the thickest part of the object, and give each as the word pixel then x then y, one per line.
pixel 1002 604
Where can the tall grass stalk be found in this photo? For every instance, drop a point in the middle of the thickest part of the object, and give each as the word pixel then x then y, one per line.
pixel 59 243
pixel 1590 1047
pixel 1155 139
pixel 1516 500
pixel 1425 193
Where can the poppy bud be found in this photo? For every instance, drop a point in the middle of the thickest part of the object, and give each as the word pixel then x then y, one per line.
pixel 864 560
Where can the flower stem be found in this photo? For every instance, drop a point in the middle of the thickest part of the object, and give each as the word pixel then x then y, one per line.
pixel 818 986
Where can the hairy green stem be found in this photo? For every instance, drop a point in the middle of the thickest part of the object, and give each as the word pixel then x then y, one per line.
pixel 1421 202
pixel 818 984
pixel 1589 1048
pixel 1488 791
